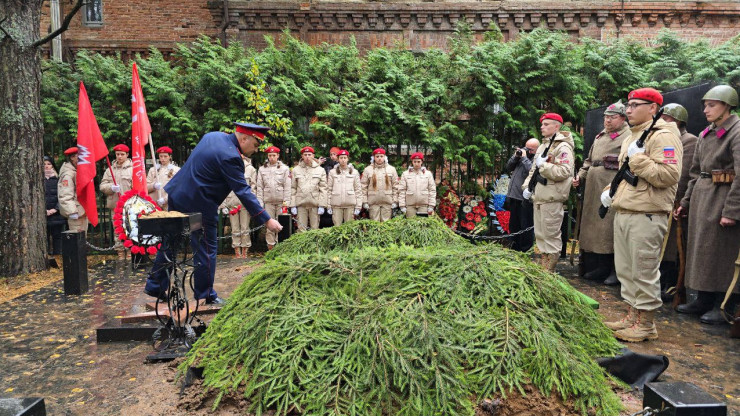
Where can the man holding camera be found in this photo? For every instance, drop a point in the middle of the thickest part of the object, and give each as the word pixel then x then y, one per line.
pixel 522 216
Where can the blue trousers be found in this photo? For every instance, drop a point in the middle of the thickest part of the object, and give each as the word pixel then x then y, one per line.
pixel 204 244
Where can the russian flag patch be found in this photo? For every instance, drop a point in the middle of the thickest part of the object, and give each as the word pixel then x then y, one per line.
pixel 669 152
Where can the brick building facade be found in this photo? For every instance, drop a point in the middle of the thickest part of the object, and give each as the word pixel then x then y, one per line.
pixel 131 26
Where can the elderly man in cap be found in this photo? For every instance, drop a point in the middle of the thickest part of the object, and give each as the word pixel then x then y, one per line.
pixel 599 168
pixel 642 210
pixel 379 187
pixel 160 175
pixel 308 191
pixel 676 113
pixel 417 192
pixel 67 193
pixel 214 169
pixel 553 162
pixel 115 185
pixel 273 189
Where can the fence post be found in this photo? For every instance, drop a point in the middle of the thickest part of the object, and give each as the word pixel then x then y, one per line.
pixel 74 260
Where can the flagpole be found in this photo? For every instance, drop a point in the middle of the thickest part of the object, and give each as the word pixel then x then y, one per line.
pixel 107 159
pixel 154 163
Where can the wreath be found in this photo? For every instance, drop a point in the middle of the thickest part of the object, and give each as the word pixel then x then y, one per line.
pixel 132 205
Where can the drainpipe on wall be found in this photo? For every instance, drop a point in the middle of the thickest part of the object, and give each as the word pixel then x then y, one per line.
pixel 224 24
pixel 56 43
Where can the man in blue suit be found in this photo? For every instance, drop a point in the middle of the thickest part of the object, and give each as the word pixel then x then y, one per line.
pixel 214 169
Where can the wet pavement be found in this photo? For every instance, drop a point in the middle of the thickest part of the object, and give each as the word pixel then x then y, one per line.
pixel 49 350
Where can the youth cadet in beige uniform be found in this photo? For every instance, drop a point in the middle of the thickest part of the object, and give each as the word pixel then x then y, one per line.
pixel 641 219
pixel 379 187
pixel 273 189
pixel 123 171
pixel 417 192
pixel 345 191
pixel 160 175
pixel 308 191
pixel 239 217
pixel 67 193
pixel 556 169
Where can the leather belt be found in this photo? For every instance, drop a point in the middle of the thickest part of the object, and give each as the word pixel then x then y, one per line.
pixel 705 175
pixel 597 163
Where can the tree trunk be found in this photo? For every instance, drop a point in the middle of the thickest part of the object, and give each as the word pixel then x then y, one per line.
pixel 23 210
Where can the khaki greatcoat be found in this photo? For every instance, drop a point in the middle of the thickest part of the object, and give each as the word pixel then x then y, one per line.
pixel 597 234
pixel 713 249
pixel 688 141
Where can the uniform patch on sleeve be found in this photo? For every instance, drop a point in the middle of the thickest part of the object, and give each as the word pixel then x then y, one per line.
pixel 670 161
pixel 669 152
pixel 564 158
pixel 65 182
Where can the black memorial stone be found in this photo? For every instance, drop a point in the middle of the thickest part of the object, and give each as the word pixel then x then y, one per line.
pixel 74 260
pixel 33 406
pixel 682 399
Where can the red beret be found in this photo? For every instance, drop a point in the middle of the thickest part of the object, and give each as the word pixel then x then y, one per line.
pixel 552 116
pixel 120 148
pixel 307 149
pixel 164 149
pixel 72 150
pixel 343 153
pixel 647 94
pixel 417 155
pixel 334 150
pixel 378 151
pixel 272 149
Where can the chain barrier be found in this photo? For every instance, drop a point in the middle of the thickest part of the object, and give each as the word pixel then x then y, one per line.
pixel 250 231
pixel 651 412
pixel 493 237
pixel 94 247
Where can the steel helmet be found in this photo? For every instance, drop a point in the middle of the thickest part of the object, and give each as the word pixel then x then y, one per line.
pixel 724 93
pixel 676 111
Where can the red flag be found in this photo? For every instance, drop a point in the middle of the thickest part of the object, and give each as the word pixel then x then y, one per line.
pixel 140 131
pixel 91 148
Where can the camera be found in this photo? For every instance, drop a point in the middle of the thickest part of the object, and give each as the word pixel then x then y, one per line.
pixel 519 153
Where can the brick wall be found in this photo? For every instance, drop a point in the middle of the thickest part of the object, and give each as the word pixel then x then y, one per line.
pixel 132 26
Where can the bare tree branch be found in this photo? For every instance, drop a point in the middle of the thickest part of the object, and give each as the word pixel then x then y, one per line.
pixel 63 27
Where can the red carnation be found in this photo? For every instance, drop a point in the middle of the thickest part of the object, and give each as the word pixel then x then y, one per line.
pixel 122 237
pixel 151 250
pixel 128 243
pixel 469 216
pixel 477 218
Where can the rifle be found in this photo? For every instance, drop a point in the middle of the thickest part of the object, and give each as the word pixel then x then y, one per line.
pixel 735 322
pixel 679 292
pixel 579 207
pixel 624 173
pixel 536 177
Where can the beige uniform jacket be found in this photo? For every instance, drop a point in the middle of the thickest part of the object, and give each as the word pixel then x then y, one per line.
pixel 658 170
pixel 273 184
pixel 558 170
pixel 67 191
pixel 124 174
pixel 308 186
pixel 163 174
pixel 250 175
pixel 417 189
pixel 344 186
pixel 379 184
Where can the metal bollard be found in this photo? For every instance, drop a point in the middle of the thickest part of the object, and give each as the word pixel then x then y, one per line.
pixel 74 261
pixel 287 222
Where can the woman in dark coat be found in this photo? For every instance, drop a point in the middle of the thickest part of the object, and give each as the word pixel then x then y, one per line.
pixel 712 201
pixel 54 221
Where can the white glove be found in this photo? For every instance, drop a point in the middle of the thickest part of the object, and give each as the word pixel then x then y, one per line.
pixel 394 205
pixel 225 211
pixel 541 161
pixel 606 200
pixel 329 211
pixel 161 201
pixel 157 185
pixel 527 194
pixel 357 212
pixel 321 210
pixel 403 209
pixel 633 150
pixel 294 211
pixel 115 188
pixel 74 216
pixel 430 210
pixel 366 206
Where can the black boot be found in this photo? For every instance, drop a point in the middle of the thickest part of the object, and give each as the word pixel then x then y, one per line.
pixel 602 269
pixel 701 305
pixel 611 280
pixel 714 316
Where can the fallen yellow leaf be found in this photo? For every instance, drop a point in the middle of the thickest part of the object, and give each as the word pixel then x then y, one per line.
pixel 132 379
pixel 9 389
pixel 55 356
pixel 76 390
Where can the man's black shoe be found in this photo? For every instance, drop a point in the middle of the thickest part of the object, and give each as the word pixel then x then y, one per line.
pixel 162 296
pixel 215 301
pixel 612 280
pixel 701 305
pixel 599 273
pixel 713 317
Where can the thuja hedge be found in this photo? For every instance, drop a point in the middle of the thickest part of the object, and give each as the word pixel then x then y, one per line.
pixel 467 105
pixel 379 328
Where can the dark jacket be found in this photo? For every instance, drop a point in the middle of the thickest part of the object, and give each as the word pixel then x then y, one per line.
pixel 214 169
pixel 520 167
pixel 52 201
pixel 329 165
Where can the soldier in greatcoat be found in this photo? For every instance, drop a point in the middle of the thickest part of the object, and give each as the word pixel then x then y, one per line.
pixel 712 202
pixel 599 168
pixel 676 113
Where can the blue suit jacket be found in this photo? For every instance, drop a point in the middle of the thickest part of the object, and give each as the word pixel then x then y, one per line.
pixel 214 169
